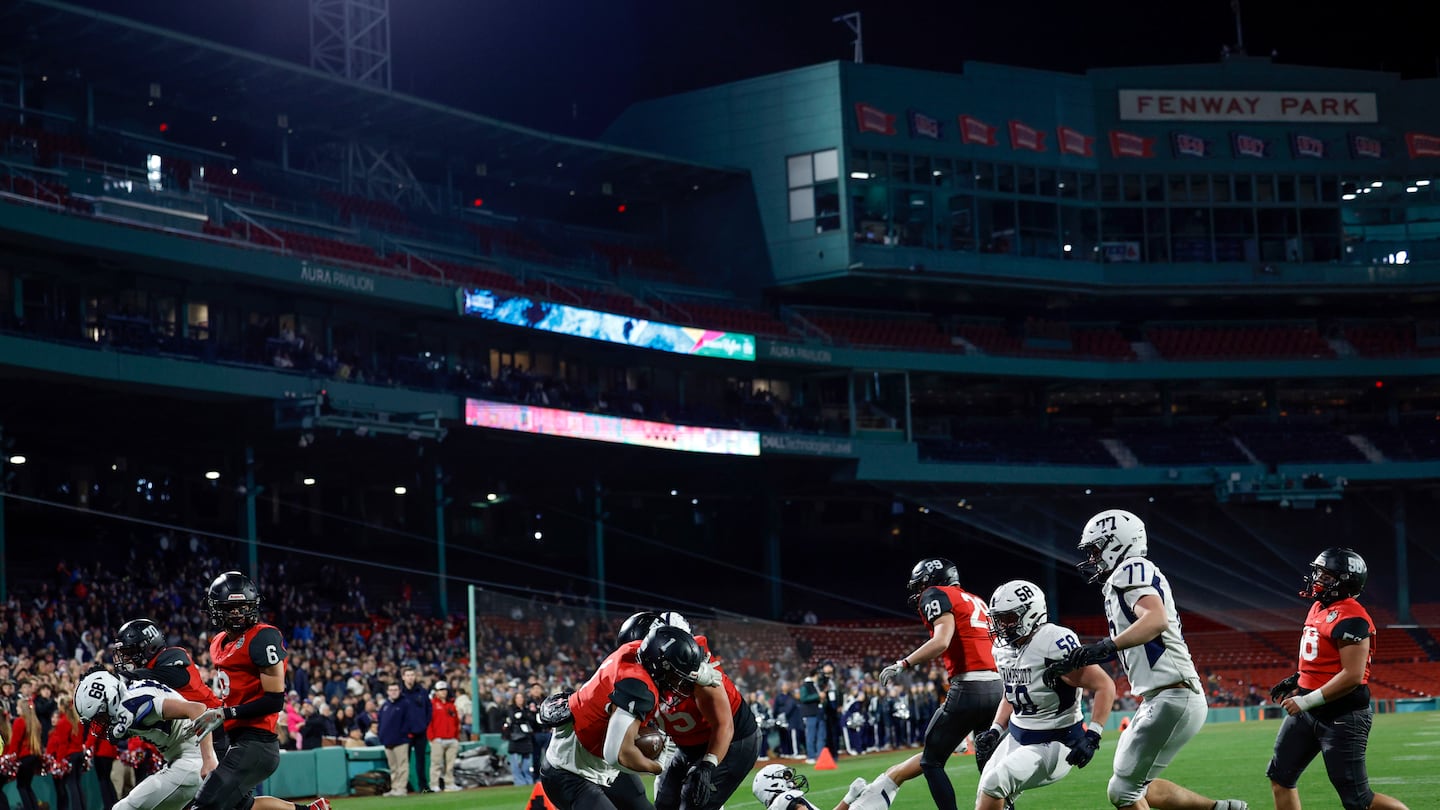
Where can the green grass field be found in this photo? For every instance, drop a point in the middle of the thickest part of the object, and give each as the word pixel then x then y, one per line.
pixel 1226 760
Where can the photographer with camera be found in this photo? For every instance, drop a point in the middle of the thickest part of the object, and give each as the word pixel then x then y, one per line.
pixel 831 705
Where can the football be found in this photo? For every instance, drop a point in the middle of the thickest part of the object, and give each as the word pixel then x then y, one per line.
pixel 651 741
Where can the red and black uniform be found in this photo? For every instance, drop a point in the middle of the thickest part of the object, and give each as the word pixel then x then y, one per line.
pixel 975 687
pixel 690 731
pixel 971 649
pixel 254 751
pixel 1326 628
pixel 573 770
pixel 1338 730
pixel 620 681
pixel 237 664
pixel 174 667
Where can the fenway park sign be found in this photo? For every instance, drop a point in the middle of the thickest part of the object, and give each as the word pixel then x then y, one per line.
pixel 1252 105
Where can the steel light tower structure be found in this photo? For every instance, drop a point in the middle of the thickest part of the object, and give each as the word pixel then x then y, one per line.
pixel 351 39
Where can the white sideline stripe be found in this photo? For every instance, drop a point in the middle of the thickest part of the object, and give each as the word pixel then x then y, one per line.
pixel 1413 757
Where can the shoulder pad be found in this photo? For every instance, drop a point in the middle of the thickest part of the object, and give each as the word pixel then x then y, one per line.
pixel 172 656
pixel 266 647
pixel 1133 572
pixel 1047 633
pixel 935 603
pixel 634 696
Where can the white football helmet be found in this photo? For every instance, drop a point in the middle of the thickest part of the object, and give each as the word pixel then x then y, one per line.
pixel 1017 608
pixel 1108 538
pixel 674 619
pixel 100 699
pixel 774 781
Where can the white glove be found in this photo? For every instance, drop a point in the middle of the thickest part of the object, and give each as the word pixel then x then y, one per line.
pixel 207 722
pixel 856 788
pixel 889 673
pixel 668 753
pixel 709 675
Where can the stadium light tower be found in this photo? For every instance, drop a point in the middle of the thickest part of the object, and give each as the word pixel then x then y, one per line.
pixel 351 39
pixel 1239 29
pixel 852 21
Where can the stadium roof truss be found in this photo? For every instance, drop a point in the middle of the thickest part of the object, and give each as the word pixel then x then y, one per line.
pixel 124 56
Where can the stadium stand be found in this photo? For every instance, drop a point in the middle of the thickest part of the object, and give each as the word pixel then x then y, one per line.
pixel 1239 342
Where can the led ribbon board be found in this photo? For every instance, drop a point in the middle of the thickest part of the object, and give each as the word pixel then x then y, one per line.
pixel 588 323
pixel 613 429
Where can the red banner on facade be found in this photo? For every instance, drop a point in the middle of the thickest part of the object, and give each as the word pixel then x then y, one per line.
pixel 1190 145
pixel 923 126
pixel 1075 142
pixel 973 130
pixel 1422 145
pixel 1249 145
pixel 1128 144
pixel 1306 146
pixel 1026 137
pixel 1364 147
pixel 874 119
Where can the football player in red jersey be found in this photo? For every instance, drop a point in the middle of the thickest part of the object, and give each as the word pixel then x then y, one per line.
pixel 248 657
pixel 140 652
pixel 959 625
pixel 716 739
pixel 588 754
pixel 1327 700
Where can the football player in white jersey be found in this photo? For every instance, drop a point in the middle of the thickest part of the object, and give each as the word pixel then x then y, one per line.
pixel 180 728
pixel 1039 731
pixel 1145 634
pixel 779 787
pixel 158 714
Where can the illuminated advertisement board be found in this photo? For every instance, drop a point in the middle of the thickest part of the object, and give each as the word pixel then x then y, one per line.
pixel 588 323
pixel 613 429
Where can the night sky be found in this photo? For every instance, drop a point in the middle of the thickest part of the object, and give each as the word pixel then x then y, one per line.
pixel 571 66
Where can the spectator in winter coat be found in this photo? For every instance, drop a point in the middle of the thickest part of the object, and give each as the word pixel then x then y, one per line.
pixel 418 696
pixel 397 717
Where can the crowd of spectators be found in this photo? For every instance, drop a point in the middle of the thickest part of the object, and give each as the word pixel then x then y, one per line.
pixel 348 644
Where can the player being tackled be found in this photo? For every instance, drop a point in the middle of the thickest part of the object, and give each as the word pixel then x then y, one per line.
pixel 779 787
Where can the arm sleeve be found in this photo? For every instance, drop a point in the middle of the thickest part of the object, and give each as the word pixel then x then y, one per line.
pixel 171 667
pixel 268 703
pixel 634 696
pixel 1350 631
pixel 934 604
pixel 620 721
pixel 267 648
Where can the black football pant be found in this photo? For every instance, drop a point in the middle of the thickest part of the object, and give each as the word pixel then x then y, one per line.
pixel 252 757
pixel 728 776
pixel 969 708
pixel 569 791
